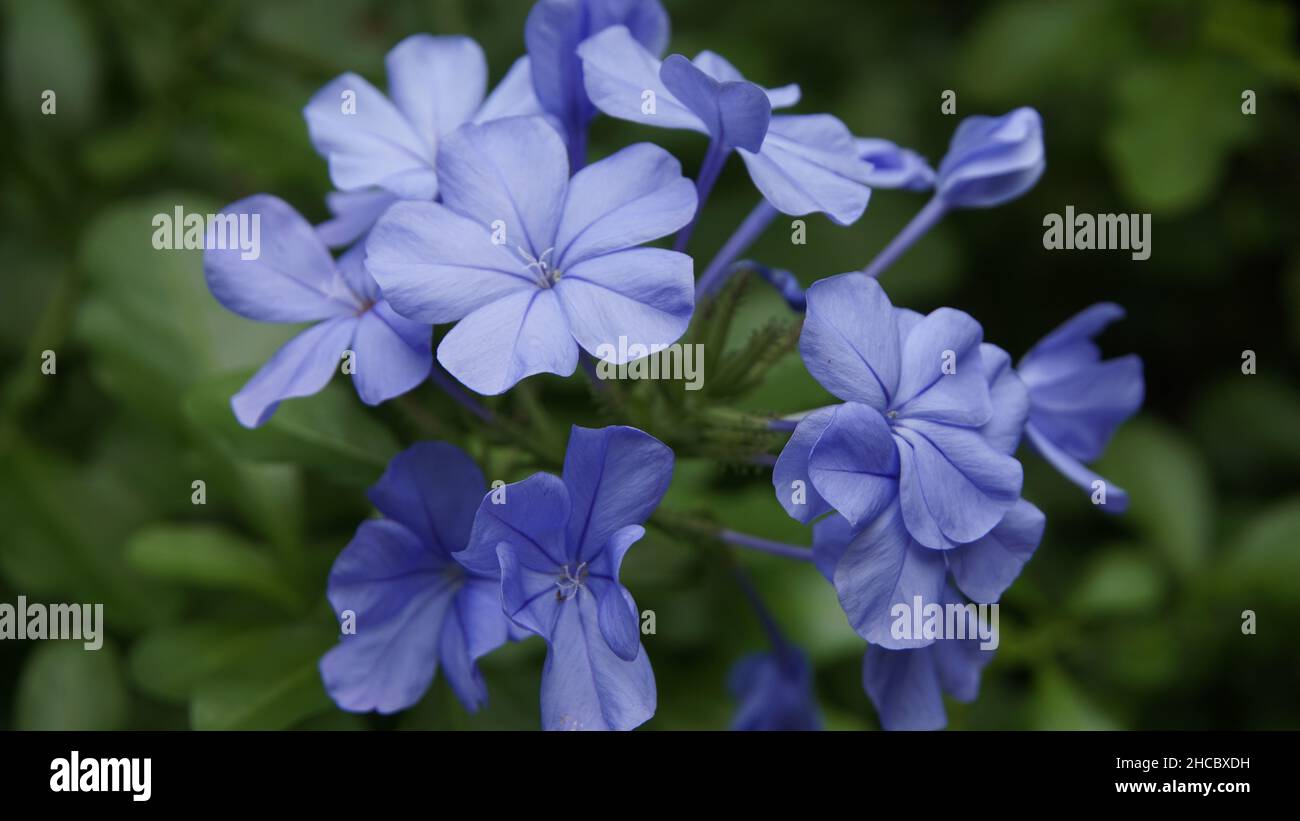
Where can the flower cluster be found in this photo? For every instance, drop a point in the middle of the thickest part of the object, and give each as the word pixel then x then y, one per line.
pixel 481 212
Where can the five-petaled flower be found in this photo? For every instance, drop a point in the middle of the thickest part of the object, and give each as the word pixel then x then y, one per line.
pixel 921 421
pixel 533 265
pixel 415 607
pixel 381 149
pixel 559 544
pixel 296 280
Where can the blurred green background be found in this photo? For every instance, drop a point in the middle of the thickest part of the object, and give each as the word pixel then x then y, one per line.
pixel 216 614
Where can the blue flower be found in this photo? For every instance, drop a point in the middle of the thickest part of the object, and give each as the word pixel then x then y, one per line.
pixel 1076 400
pixel 532 265
pixel 992 160
pixel 907 686
pixel 880 566
pixel 893 166
pixel 801 164
pixel 552 34
pixel 928 412
pixel 415 606
pixel 436 84
pixel 559 544
pixel 775 691
pixel 294 279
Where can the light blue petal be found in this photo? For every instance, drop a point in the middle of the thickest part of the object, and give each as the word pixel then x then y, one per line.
pixel 618 71
pixel 792 466
pixel 436 266
pixel 585 685
pixel 883 567
pixel 434 489
pixel 986 567
pixel 530 517
pixel 1076 472
pixel 436 82
pixel 530 598
pixel 392 354
pixel 942 375
pixel 736 113
pixel 553 33
pixel 355 212
pixel 512 173
pixel 513 96
pixel 399 593
pixel 849 343
pixel 721 69
pixel 302 367
pixel 631 197
pixel 522 334
pixel 893 166
pixel 368 142
pixel 904 687
pixel 854 464
pixel 292 279
pixel 831 536
pixel 619 621
pixel 645 296
pixel 1009 398
pixel 954 486
pixel 616 476
pixel 992 160
pixel 1082 408
pixel 809 163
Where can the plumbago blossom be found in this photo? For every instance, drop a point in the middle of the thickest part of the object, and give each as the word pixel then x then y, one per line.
pixel 415 607
pixel 531 264
pixel 558 543
pixel 774 690
pixel 801 163
pixel 295 279
pixel 990 161
pixel 553 32
pixel 384 148
pixel 485 213
pixel 1076 400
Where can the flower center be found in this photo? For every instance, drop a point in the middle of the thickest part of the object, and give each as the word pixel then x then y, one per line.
pixel 568 583
pixel 540 268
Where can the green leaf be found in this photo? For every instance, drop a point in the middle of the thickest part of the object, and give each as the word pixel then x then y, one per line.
pixel 1160 104
pixel 64 686
pixel 1273 408
pixel 1019 49
pixel 149 318
pixel 1265 555
pixel 171 661
pixel 48 45
pixel 274 687
pixel 1058 704
pixel 209 556
pixel 331 430
pixel 1261 31
pixel 1170 497
pixel 72 521
pixel 1119 582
